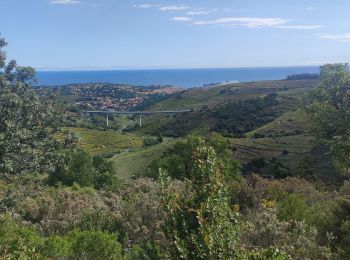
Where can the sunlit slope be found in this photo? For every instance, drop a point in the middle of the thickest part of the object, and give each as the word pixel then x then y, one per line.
pixel 197 98
pixel 135 161
pixel 98 142
pixel 285 147
pixel 214 108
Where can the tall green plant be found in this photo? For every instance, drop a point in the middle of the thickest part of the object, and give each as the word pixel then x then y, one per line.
pixel 329 111
pixel 201 225
pixel 30 126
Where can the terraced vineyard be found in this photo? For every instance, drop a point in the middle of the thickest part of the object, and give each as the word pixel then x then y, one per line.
pixel 98 142
pixel 126 150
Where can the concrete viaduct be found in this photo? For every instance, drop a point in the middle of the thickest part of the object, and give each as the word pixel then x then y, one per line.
pixel 140 113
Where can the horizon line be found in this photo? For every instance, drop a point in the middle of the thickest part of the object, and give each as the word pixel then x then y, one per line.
pixel 168 68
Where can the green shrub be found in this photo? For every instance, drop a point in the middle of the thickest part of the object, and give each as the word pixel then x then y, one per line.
pixel 146 251
pixel 201 226
pixel 292 207
pixel 81 168
pixel 178 161
pixel 93 245
pixel 78 168
pixel 345 241
pixel 258 135
pixel 18 241
pixel 149 141
pixel 258 162
pixel 83 245
pixel 97 220
pixel 56 246
pixel 263 229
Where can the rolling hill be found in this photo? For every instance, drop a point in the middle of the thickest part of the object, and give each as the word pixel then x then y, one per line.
pixel 267 130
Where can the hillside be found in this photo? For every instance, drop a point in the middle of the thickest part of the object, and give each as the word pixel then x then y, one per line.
pixel 267 130
pixel 198 98
pixel 105 142
pixel 284 147
pixel 232 109
pixel 107 96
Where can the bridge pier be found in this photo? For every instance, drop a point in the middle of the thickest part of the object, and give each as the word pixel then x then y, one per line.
pixel 168 112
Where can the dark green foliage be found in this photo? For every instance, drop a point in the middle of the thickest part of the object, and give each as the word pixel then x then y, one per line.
pixel 259 135
pixel 17 241
pixel 233 119
pixel 202 225
pixel 145 251
pixel 104 173
pixel 78 167
pixel 345 242
pixel 292 207
pixel 3 43
pixel 285 152
pixel 149 141
pixel 97 220
pixel 185 124
pixel 30 131
pixel 246 115
pixel 81 168
pixel 93 245
pixel 30 127
pixel 179 161
pixel 304 76
pixel 83 245
pixel 329 110
pixel 160 138
pixel 258 162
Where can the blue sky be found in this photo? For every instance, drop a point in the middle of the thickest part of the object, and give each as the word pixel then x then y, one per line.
pixel 106 34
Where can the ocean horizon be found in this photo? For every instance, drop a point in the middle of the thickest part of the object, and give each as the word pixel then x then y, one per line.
pixel 186 78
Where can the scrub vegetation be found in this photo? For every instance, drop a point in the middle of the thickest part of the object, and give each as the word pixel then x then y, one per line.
pixel 256 171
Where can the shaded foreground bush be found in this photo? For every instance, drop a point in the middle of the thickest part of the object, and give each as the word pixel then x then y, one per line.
pixel 146 219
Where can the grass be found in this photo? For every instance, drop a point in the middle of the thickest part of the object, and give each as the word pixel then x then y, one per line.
pixel 98 142
pixel 298 147
pixel 197 98
pixel 292 152
pixel 205 101
pixel 135 161
pixel 289 123
pixel 130 158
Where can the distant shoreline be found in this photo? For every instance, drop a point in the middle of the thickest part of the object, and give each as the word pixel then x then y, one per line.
pixel 168 68
pixel 186 78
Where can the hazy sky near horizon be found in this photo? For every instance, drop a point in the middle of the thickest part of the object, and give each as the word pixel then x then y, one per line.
pixel 106 34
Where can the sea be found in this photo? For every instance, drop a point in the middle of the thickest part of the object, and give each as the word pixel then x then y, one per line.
pixel 186 78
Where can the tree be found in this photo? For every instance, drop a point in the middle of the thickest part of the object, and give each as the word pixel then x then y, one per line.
pixel 329 111
pixel 200 222
pixel 30 126
pixel 78 166
pixel 178 161
pixel 202 225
